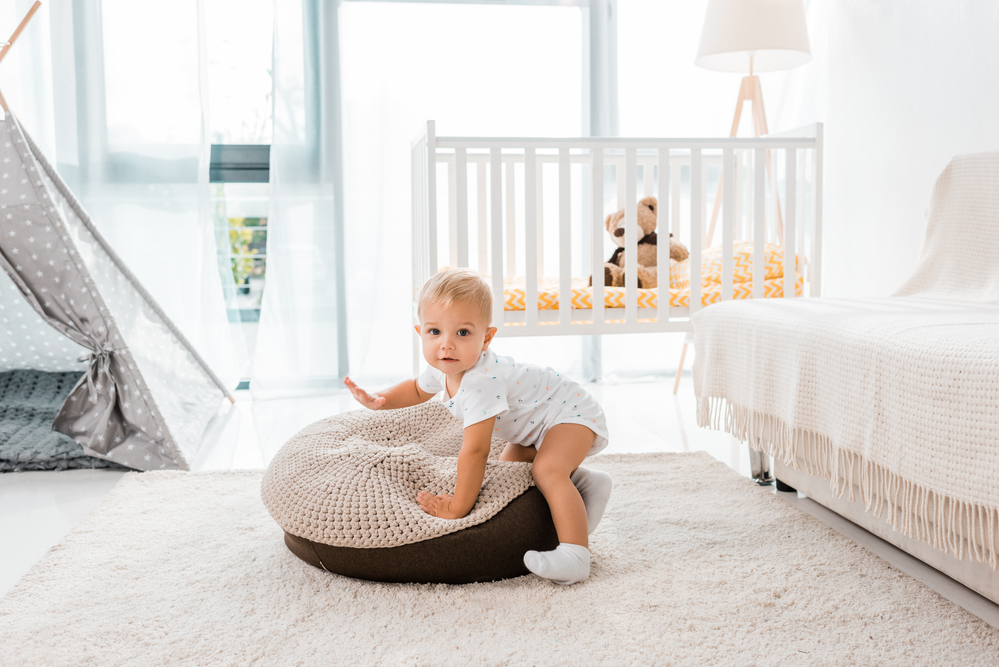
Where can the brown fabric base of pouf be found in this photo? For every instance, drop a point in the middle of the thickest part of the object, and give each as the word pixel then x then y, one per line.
pixel 489 551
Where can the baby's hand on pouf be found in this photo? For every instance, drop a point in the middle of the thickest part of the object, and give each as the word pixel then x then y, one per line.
pixel 439 506
pixel 370 401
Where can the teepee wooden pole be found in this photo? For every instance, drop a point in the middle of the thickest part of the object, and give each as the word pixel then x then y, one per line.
pixel 17 33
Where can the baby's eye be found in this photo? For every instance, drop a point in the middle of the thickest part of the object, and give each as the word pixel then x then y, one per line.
pixel 463 332
pixel 435 332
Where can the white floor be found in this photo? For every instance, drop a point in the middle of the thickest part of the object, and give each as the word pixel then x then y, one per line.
pixel 38 508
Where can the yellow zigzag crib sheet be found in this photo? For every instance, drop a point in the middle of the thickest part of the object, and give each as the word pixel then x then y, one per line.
pixel 679 293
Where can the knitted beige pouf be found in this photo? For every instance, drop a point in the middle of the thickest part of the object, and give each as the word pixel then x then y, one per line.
pixel 344 491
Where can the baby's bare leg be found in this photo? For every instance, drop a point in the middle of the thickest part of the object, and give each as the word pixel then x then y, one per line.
pixel 518 453
pixel 563 449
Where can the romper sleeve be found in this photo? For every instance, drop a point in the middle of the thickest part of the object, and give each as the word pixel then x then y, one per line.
pixel 482 397
pixel 431 380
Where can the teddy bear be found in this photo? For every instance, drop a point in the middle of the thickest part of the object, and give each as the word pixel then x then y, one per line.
pixel 647 252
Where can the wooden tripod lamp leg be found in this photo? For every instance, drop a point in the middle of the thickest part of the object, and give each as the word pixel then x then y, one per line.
pixel 760 125
pixel 751 91
pixel 679 369
pixel 745 93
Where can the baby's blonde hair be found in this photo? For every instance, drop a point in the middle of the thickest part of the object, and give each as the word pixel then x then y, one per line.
pixel 457 286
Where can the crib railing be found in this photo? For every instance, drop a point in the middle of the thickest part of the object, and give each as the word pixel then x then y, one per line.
pixel 535 208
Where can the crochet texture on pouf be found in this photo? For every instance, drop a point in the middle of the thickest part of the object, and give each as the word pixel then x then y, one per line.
pixel 351 480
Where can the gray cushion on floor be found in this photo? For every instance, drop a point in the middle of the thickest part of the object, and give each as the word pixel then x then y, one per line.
pixel 29 401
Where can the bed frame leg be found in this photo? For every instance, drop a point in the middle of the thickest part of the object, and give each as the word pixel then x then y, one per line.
pixel 759 463
pixel 785 488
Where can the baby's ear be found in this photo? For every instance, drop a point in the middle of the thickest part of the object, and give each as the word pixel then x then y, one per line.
pixel 490 332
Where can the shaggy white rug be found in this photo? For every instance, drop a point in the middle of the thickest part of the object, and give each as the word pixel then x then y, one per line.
pixel 692 564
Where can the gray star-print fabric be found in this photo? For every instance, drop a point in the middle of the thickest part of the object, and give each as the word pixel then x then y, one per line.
pixel 145 397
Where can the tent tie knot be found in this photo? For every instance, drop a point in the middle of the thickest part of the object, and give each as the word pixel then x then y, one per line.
pixel 100 369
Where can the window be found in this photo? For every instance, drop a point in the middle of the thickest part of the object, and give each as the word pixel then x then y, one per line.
pixel 240 99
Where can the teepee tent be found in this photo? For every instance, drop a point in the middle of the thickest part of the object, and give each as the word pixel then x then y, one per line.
pixel 68 303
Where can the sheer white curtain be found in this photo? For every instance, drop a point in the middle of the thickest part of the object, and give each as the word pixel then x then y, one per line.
pixel 115 94
pixel 301 345
pixel 475 69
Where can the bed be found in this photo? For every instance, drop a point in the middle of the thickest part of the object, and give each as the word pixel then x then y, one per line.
pixel 883 409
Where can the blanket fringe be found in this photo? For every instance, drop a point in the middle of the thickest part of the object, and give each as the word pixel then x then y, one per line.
pixel 953 526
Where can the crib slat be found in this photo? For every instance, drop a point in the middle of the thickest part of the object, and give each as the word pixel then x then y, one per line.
pixel 619 174
pixel 540 191
pixel 695 230
pixel 428 230
pixel 647 180
pixel 728 221
pixel 480 198
pixel 702 175
pixel 815 274
pixel 530 236
pixel 416 186
pixel 630 238
pixel 565 240
pixel 511 221
pixel 430 165
pixel 496 200
pixel 663 227
pixel 790 203
pixel 759 222
pixel 452 216
pixel 461 202
pixel 803 210
pixel 597 230
pixel 740 175
pixel 674 200
pixel 419 237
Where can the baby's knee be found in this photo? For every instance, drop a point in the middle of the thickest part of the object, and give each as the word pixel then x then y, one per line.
pixel 545 471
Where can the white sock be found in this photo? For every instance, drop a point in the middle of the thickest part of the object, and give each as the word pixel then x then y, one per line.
pixel 567 564
pixel 595 488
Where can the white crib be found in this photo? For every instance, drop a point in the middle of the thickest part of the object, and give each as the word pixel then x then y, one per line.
pixel 494 192
pixel 498 194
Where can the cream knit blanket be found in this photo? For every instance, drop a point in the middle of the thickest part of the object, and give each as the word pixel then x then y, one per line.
pixel 351 480
pixel 898 396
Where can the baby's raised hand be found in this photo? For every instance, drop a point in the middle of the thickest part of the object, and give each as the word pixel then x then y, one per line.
pixel 370 401
pixel 439 506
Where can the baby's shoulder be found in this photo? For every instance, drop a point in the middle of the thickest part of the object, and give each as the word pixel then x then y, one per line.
pixel 488 380
pixel 479 378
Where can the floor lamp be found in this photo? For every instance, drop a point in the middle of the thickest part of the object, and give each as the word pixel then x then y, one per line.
pixel 750 36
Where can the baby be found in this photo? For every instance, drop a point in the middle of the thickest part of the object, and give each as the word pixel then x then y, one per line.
pixel 549 420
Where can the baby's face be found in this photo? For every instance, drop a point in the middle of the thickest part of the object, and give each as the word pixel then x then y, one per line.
pixel 454 336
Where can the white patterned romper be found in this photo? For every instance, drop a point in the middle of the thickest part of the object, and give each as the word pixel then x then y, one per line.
pixel 527 400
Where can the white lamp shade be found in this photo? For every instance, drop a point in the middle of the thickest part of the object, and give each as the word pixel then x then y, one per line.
pixel 771 32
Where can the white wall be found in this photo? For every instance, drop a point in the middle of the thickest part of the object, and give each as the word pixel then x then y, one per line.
pixel 910 83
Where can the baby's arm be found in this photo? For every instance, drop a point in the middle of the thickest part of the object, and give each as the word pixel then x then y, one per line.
pixel 471 470
pixel 402 395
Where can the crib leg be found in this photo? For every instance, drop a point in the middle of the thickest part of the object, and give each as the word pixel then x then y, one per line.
pixel 679 369
pixel 592 358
